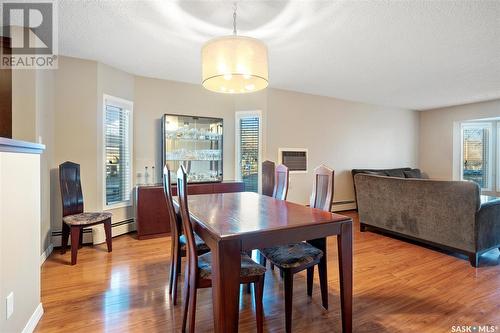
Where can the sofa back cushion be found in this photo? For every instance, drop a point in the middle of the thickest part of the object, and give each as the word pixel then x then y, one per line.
pixel 413 173
pixel 442 212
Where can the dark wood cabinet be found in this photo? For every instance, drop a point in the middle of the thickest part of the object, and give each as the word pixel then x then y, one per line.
pixel 5 92
pixel 151 216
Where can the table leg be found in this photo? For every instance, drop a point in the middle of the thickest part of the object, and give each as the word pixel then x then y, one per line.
pixel 226 261
pixel 344 242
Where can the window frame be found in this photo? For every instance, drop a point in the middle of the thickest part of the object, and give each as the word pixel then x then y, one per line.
pixel 490 125
pixel 129 107
pixel 237 171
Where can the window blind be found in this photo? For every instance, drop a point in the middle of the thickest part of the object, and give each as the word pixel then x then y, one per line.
pixel 476 152
pixel 249 152
pixel 118 155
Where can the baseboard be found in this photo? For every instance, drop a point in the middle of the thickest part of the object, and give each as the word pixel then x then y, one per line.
pixel 34 319
pixel 117 228
pixel 343 205
pixel 46 253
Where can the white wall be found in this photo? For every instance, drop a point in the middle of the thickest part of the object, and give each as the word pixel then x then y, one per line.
pixel 437 135
pixel 340 134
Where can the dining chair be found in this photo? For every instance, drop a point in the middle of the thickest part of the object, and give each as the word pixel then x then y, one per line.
pixel 268 178
pixel 178 240
pixel 281 180
pixel 198 273
pixel 296 257
pixel 74 218
pixel 280 191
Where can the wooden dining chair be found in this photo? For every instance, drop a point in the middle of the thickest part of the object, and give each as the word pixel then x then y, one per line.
pixel 268 178
pixel 178 240
pixel 281 180
pixel 294 258
pixel 74 219
pixel 198 273
pixel 280 191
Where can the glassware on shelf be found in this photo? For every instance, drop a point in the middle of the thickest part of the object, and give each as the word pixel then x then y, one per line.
pixel 195 142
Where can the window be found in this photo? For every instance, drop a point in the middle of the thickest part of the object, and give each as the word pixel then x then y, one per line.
pixel 477 154
pixel 248 155
pixel 117 151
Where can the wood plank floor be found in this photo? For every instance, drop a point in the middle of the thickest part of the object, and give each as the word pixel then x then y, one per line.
pixel 398 287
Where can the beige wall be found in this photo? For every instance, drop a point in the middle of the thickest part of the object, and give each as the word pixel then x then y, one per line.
pixel 45 134
pixel 19 238
pixel 340 134
pixel 437 137
pixel 24 104
pixel 33 120
pixel 153 98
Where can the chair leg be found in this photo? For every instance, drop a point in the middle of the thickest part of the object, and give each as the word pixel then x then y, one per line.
pixel 249 288
pixel 80 240
pixel 177 271
pixel 173 266
pixel 259 309
pixel 185 298
pixel 310 279
pixel 75 237
pixel 192 303
pixel 288 284
pixel 64 238
pixel 109 237
pixel 323 282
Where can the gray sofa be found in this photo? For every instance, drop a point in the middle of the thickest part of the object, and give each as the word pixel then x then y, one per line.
pixel 447 214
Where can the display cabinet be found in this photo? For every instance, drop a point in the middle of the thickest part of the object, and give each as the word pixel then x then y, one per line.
pixel 195 142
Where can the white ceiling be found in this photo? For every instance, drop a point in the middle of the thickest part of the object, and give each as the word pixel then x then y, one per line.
pixel 411 54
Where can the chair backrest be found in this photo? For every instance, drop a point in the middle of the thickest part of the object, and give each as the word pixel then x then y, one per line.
pixel 186 220
pixel 175 225
pixel 322 193
pixel 281 175
pixel 71 188
pixel 268 178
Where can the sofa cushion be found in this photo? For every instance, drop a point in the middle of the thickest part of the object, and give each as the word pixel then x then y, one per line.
pixel 375 173
pixel 413 173
pixel 395 173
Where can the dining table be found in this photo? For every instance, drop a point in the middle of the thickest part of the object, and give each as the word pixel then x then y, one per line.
pixel 231 223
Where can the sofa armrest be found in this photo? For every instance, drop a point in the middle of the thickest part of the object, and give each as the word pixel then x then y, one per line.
pixel 488 225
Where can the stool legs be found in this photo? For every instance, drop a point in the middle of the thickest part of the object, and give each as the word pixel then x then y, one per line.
pixel 75 240
pixel 107 230
pixel 76 232
pixel 64 237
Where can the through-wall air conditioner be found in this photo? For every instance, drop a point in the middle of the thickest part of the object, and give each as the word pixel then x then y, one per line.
pixel 294 158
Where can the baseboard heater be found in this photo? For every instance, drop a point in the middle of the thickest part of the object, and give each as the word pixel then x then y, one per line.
pixel 339 206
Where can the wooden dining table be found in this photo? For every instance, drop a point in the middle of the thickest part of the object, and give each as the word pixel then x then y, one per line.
pixel 230 223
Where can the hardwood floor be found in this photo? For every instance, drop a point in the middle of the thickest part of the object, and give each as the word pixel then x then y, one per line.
pixel 398 287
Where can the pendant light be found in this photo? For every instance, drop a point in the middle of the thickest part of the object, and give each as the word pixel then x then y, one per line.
pixel 234 64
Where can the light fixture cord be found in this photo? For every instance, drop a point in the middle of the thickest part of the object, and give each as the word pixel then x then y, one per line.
pixel 235 7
